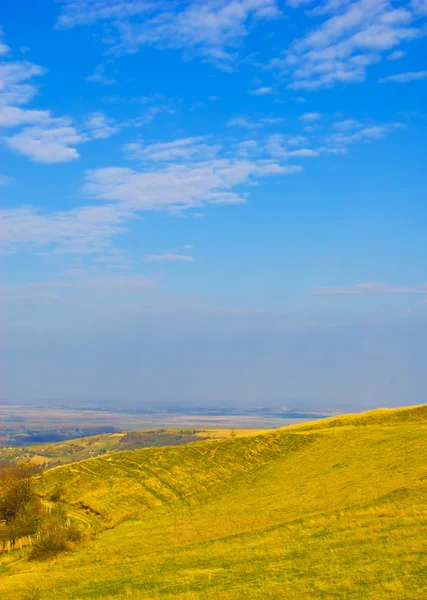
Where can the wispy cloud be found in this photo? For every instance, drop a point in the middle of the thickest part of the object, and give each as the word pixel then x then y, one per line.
pixel 404 77
pixel 13 116
pixel 16 86
pixel 242 121
pixel 262 91
pixel 247 123
pixel 99 76
pixel 168 257
pixel 99 126
pixel 52 139
pixel 350 132
pixel 396 55
pixel 47 145
pixel 128 192
pixel 72 287
pixel 5 179
pixel 372 288
pixel 352 36
pixel 180 186
pixel 311 116
pixel 180 149
pixel 212 29
pixel 86 12
pixel 41 136
pixel 83 230
pixel 4 48
pixel 278 145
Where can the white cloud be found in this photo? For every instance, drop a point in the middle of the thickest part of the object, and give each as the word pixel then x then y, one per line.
pixel 13 116
pixel 352 36
pixel 48 139
pixel 346 125
pixel 99 126
pixel 263 91
pixel 46 145
pixel 372 288
pixel 86 12
pixel 83 230
pixel 278 146
pixel 302 153
pixel 396 55
pixel 174 188
pixel 271 120
pixel 180 149
pixel 168 257
pixel 420 6
pixel 15 82
pixel 246 123
pixel 44 138
pixel 52 140
pixel 241 121
pixel 358 132
pixel 311 116
pixel 209 29
pixel 179 187
pixel 405 77
pixel 99 76
pixel 247 147
pixel 4 48
pixel 296 140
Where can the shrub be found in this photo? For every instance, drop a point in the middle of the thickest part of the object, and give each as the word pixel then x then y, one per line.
pixel 57 535
pixel 57 493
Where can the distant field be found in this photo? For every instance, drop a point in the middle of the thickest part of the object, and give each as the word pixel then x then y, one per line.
pixel 334 509
pixel 23 425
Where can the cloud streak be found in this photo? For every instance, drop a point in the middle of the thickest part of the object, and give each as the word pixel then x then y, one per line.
pixel 372 288
pixel 168 257
pixel 352 37
pixel 212 29
pixel 404 77
pixel 124 193
pixel 180 187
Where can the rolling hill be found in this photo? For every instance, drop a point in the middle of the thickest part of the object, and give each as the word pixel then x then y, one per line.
pixel 330 509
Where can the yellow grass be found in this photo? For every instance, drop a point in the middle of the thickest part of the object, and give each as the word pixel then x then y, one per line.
pixel 335 509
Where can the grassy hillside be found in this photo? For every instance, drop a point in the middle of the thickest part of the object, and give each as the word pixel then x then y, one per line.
pixel 333 509
pixel 384 416
pixel 51 454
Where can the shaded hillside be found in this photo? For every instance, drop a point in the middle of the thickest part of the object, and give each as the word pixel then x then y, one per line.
pixel 300 514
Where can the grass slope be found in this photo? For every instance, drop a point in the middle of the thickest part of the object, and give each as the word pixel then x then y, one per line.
pixel 52 454
pixel 312 511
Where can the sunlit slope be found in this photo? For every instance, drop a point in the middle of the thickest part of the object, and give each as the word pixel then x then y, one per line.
pixel 336 512
pixel 126 483
pixel 384 416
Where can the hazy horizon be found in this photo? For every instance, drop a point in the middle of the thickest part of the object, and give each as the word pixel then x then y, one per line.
pixel 214 203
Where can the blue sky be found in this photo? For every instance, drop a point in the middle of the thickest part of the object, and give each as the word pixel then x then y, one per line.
pixel 201 199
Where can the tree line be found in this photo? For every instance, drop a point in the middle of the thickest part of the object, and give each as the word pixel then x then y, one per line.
pixel 23 516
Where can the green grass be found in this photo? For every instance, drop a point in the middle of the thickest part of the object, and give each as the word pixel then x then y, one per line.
pixel 335 509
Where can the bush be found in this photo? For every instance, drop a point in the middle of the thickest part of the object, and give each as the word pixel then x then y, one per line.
pixel 57 535
pixel 57 493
